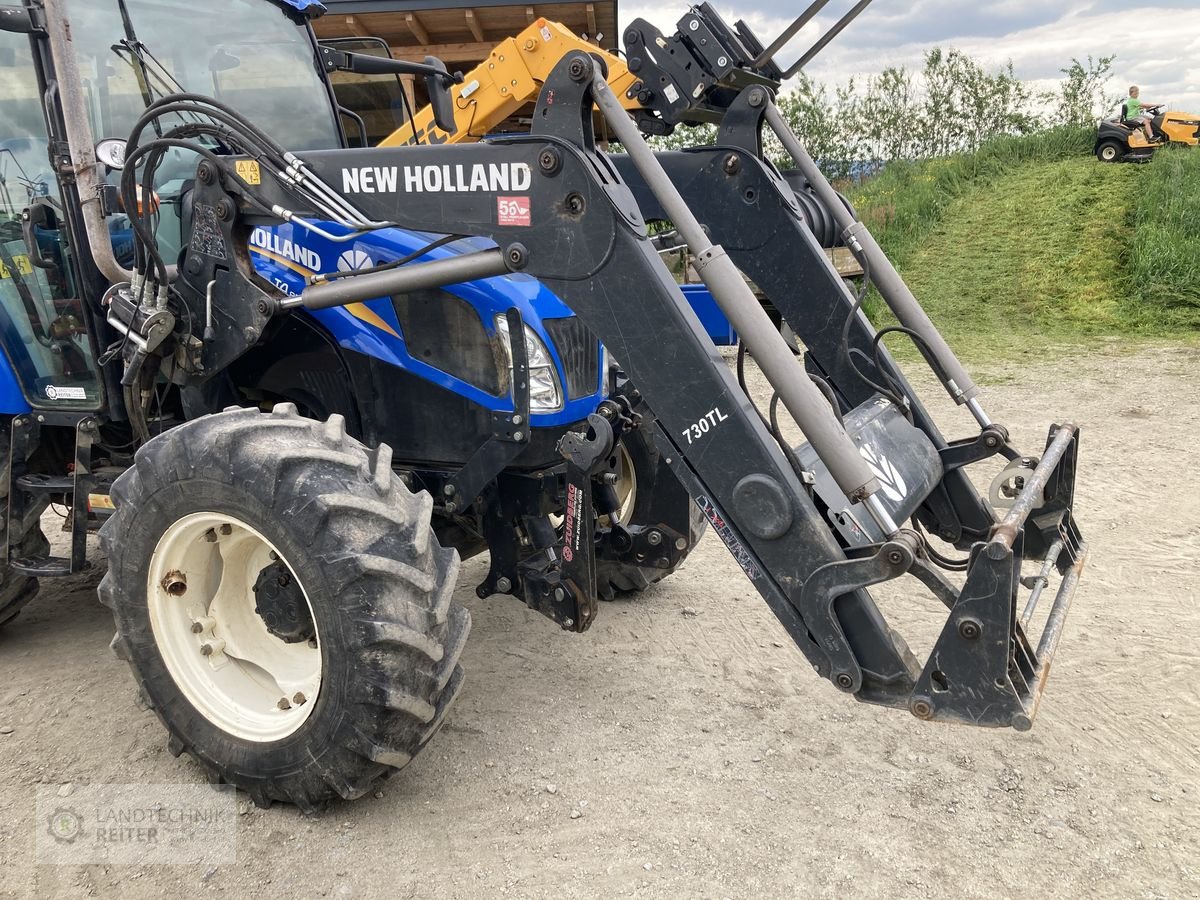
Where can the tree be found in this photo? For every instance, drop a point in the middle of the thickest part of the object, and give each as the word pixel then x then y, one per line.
pixel 1082 98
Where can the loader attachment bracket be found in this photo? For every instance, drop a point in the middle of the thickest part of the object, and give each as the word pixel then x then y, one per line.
pixel 991 440
pixel 984 670
pixel 864 567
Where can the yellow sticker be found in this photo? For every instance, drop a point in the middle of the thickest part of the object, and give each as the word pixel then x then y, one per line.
pixel 247 170
pixel 100 501
pixel 24 267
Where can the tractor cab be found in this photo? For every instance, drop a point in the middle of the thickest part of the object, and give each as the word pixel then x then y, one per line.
pixel 43 323
pixel 255 57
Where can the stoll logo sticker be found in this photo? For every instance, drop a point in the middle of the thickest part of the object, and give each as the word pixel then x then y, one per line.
pixel 354 260
pixel 136 824
pixel 513 211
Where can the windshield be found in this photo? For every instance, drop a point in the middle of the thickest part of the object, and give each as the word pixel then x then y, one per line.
pixel 247 53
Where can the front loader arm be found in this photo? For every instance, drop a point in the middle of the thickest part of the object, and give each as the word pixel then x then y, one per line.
pixel 558 209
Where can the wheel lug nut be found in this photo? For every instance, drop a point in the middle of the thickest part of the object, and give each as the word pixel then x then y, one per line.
pixel 284 703
pixel 299 699
pixel 226 529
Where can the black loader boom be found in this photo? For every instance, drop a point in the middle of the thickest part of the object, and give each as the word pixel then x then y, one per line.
pixel 813 527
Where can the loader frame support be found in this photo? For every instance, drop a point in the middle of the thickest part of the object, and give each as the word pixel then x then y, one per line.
pixel 575 224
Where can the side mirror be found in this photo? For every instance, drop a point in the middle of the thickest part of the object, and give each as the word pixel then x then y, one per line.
pixel 438 83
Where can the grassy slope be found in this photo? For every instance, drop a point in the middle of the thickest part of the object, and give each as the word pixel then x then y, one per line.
pixel 1165 258
pixel 1036 253
pixel 1033 241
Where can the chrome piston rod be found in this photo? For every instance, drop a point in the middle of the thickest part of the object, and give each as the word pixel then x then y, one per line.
pixel 892 288
pixel 802 399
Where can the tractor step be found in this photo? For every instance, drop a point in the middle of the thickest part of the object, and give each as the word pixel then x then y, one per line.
pixel 46 484
pixel 45 566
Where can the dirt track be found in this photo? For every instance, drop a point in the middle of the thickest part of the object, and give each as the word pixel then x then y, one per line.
pixel 704 756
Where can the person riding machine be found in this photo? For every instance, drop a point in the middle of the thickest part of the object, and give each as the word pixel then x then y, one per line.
pixel 1141 128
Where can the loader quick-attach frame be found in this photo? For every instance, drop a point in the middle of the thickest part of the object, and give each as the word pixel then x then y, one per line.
pixel 811 527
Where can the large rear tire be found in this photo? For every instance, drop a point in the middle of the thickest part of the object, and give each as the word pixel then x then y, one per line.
pixel 283 604
pixel 652 495
pixel 16 591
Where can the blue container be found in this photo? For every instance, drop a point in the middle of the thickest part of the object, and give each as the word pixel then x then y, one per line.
pixel 710 315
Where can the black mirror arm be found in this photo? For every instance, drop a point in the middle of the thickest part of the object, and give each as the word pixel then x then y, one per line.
pixel 363 64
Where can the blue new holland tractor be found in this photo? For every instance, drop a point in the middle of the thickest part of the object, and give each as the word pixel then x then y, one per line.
pixel 232 345
pixel 472 416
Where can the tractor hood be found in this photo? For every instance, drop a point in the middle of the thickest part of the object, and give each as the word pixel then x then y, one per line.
pixel 309 8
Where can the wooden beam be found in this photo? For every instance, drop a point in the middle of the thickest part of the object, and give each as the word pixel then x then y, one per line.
pixel 415 26
pixel 407 83
pixel 530 15
pixel 457 53
pixel 356 27
pixel 591 17
pixel 473 24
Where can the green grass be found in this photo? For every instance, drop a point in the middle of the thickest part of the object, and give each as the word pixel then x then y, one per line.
pixel 905 201
pixel 1164 261
pixel 1032 241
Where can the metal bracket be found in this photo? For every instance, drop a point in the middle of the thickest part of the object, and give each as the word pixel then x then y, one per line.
pixel 865 567
pixel 992 440
pixel 579 545
pixel 742 125
pixel 588 451
pixel 26 433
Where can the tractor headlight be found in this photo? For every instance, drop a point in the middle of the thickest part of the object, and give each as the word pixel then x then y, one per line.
pixel 545 392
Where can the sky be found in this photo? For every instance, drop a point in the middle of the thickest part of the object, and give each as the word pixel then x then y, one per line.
pixel 1157 45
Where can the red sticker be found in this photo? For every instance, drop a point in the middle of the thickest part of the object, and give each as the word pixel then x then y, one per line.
pixel 513 210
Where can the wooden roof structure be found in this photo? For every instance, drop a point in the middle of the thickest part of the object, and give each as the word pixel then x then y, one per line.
pixel 459 32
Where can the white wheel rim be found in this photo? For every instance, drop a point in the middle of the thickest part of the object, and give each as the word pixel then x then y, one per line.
pixel 626 485
pixel 238 674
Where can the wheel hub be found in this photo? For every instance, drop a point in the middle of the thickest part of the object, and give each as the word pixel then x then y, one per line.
pixel 281 604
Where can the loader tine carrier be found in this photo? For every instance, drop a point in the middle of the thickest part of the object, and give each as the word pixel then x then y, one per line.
pixel 560 210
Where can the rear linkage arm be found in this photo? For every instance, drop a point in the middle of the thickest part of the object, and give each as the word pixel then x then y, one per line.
pixel 560 211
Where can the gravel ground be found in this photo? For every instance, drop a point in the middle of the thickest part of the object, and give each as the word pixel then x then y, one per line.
pixel 668 753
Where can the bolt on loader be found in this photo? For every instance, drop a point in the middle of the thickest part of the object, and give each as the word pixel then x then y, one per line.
pixel 281 579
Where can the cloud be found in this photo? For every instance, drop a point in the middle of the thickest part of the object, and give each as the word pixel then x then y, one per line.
pixel 1157 46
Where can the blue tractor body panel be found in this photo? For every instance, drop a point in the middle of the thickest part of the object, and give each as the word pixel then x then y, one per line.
pixel 12 400
pixel 286 255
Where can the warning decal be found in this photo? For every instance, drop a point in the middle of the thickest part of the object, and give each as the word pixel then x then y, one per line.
pixel 248 171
